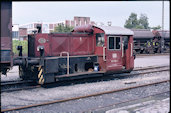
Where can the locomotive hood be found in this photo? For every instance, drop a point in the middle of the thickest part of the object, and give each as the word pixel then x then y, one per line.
pixel 83 28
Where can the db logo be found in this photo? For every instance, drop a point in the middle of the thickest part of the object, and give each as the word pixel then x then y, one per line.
pixel 42 40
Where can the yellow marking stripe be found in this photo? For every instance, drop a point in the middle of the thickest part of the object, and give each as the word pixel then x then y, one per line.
pixel 40 73
pixel 41 77
pixel 39 68
pixel 41 80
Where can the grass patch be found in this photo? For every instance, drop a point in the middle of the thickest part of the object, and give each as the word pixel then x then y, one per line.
pixel 24 45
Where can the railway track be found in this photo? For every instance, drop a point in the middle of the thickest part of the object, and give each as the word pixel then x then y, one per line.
pixel 150 67
pixel 7 86
pixel 3 83
pixel 146 70
pixel 81 97
pixel 24 88
pixel 10 86
pixel 103 107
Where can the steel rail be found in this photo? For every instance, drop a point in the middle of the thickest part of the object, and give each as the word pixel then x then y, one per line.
pixel 146 72
pixel 18 89
pixel 157 54
pixel 80 97
pixel 10 81
pixel 150 67
pixel 15 82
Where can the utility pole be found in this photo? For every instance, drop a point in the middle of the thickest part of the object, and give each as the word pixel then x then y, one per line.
pixel 162 38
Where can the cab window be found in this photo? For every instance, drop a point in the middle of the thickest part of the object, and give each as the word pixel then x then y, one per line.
pixel 100 39
pixel 113 43
pixel 125 42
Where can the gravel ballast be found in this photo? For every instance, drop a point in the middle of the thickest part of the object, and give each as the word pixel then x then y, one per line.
pixel 95 103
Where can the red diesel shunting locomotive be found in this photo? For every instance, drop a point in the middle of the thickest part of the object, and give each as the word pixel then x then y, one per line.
pixel 86 51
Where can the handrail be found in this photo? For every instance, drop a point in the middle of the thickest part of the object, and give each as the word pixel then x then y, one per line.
pixel 131 49
pixel 122 49
pixel 104 54
pixel 67 60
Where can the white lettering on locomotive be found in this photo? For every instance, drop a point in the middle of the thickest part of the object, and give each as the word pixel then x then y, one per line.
pixel 114 55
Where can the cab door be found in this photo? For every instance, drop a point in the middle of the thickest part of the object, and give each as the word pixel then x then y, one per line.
pixel 113 53
pixel 125 53
pixel 127 50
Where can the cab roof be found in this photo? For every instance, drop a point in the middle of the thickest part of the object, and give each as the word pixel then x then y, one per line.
pixel 115 30
pixel 109 30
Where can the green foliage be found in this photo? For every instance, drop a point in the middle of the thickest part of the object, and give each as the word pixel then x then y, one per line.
pixel 62 28
pixel 133 22
pixel 24 45
pixel 139 27
pixel 156 28
pixel 143 21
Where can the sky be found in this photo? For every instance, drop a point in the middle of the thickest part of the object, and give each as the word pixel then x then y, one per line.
pixel 99 11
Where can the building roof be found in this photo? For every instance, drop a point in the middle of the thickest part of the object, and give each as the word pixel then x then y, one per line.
pixel 142 33
pixel 116 30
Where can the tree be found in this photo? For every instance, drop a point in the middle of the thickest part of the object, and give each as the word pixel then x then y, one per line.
pixel 135 23
pixel 58 28
pixel 132 21
pixel 143 21
pixel 61 28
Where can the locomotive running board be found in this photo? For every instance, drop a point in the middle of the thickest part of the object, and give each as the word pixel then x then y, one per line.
pixel 79 75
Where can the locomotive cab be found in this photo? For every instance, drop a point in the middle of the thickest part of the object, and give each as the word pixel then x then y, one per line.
pixel 116 49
